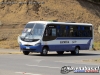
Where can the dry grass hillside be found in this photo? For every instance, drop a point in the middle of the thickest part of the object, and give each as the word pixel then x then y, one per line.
pixel 14 16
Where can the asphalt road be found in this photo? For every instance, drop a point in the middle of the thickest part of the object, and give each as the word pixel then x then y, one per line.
pixel 34 64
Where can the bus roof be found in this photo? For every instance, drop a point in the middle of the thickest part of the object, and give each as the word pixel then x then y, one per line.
pixel 50 22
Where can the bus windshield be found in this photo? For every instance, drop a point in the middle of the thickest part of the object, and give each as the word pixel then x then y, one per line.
pixel 33 31
pixel 27 30
pixel 37 30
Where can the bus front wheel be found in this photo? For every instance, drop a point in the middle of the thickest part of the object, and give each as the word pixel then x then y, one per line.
pixel 60 52
pixel 76 51
pixel 26 52
pixel 44 51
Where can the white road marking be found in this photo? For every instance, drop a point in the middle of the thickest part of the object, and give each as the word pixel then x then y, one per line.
pixel 78 62
pixel 39 60
pixel 36 74
pixel 27 73
pixel 43 66
pixel 18 72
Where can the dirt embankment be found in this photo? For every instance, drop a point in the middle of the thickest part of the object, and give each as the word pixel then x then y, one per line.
pixel 15 14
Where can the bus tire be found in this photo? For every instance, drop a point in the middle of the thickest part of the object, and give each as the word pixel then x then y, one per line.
pixel 76 51
pixel 26 52
pixel 44 51
pixel 60 52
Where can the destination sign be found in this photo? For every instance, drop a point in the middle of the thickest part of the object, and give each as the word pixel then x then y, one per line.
pixel 67 42
pixel 64 41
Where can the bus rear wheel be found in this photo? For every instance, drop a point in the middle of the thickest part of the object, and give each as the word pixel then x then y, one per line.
pixel 60 52
pixel 44 51
pixel 26 52
pixel 76 51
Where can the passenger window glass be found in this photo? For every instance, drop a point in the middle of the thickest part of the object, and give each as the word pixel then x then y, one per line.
pixel 46 33
pixel 53 32
pixel 50 31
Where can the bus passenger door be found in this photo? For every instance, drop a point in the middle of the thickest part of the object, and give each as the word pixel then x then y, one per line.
pixel 61 38
pixel 59 46
pixel 50 36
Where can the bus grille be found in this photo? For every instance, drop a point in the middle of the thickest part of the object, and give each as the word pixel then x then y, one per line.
pixel 34 40
pixel 27 45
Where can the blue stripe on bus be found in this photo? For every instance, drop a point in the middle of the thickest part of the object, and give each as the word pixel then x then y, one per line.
pixel 68 47
pixel 60 47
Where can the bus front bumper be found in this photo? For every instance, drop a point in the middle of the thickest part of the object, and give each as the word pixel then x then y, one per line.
pixel 31 48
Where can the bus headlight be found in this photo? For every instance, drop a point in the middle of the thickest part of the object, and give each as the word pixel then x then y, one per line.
pixel 37 44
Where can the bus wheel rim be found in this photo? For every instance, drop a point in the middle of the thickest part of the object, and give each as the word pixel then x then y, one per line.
pixel 44 51
pixel 77 51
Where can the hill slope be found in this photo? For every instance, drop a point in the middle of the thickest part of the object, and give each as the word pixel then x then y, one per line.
pixel 14 16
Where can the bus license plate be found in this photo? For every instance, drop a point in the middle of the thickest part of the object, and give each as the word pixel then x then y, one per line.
pixel 27 47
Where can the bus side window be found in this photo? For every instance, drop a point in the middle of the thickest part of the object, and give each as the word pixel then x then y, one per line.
pixel 50 31
pixel 82 31
pixel 71 32
pixel 58 31
pixel 79 31
pixel 67 31
pixel 46 33
pixel 86 31
pixel 53 32
pixel 90 31
pixel 63 30
pixel 74 31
